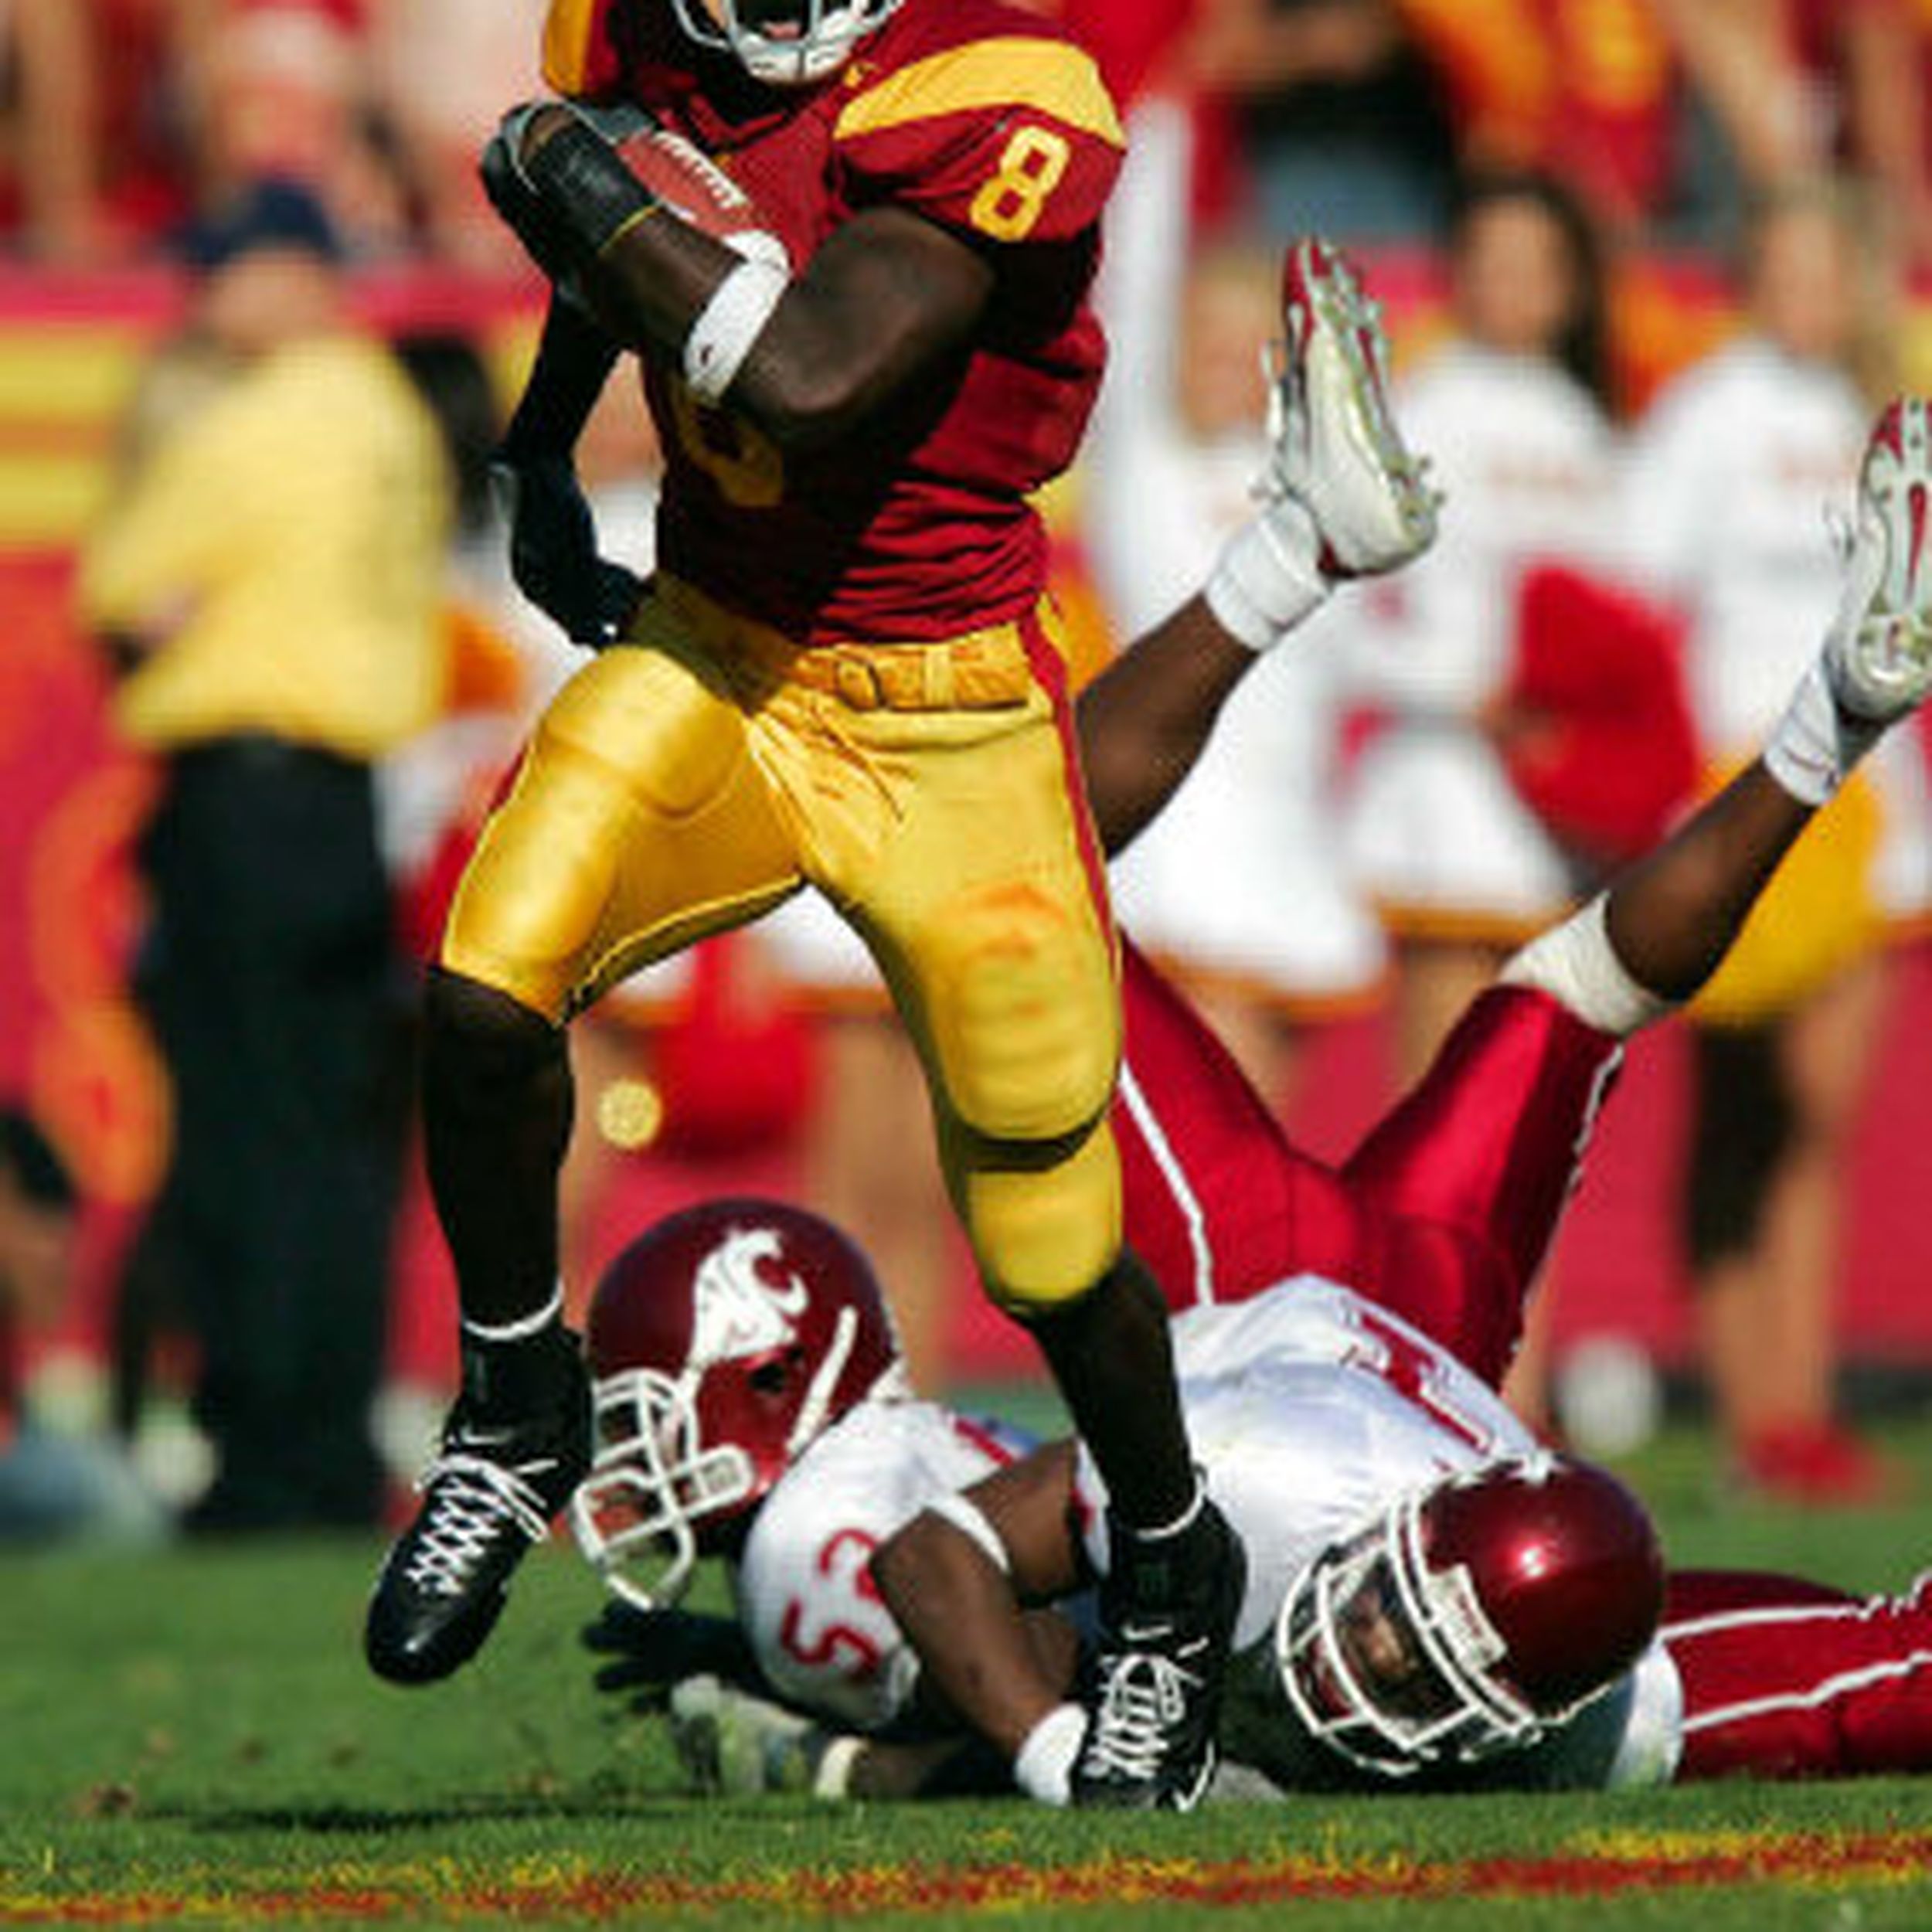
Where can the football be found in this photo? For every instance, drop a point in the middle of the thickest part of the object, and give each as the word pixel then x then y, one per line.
pixel 696 189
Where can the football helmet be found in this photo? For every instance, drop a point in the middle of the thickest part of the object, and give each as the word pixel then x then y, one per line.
pixel 721 1343
pixel 783 43
pixel 1470 1617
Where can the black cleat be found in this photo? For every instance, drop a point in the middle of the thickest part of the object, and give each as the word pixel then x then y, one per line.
pixel 488 1497
pixel 1167 1611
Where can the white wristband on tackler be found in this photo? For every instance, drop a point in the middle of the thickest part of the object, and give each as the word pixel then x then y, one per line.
pixel 729 324
pixel 1044 1768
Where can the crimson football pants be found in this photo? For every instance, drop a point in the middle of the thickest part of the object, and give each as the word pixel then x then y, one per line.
pixel 1783 1678
pixel 1442 1216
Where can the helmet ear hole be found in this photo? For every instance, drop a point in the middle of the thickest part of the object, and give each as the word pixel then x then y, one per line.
pixel 770 1378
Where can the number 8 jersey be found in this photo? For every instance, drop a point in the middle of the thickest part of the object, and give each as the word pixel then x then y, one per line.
pixel 974 115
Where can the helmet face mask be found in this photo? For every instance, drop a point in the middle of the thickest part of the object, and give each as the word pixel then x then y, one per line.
pixel 1392 1655
pixel 1390 1669
pixel 783 43
pixel 722 1343
pixel 637 1516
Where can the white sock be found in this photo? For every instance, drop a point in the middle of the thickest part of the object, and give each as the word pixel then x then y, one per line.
pixel 1575 964
pixel 1268 576
pixel 1817 741
pixel 523 1327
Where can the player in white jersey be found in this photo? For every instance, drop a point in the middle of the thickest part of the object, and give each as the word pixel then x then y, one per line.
pixel 1365 1620
pixel 1431 1599
pixel 1728 473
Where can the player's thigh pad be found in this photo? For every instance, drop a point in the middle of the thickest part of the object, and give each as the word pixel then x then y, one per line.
pixel 987 915
pixel 638 822
pixel 989 921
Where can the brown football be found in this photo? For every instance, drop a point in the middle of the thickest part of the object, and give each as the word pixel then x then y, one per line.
pixel 690 183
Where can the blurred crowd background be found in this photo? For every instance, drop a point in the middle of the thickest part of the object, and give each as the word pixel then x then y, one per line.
pixel 1648 265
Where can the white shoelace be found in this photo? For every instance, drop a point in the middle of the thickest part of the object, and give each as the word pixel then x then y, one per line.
pixel 477 1498
pixel 1143 1697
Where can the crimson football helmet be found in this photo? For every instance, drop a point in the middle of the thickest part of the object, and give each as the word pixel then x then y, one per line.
pixel 1471 1617
pixel 783 43
pixel 721 1341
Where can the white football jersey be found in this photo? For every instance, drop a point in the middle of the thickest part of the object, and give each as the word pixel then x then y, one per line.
pixel 805 1596
pixel 1311 1410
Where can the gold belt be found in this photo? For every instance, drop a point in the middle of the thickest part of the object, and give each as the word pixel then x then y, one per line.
pixel 982 670
pixel 986 671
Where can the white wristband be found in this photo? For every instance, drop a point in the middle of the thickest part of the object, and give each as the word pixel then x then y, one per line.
pixel 1268 576
pixel 1044 1768
pixel 729 324
pixel 833 1777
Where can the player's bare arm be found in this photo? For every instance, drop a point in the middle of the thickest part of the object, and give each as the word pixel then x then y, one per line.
pixel 889 297
pixel 957 1580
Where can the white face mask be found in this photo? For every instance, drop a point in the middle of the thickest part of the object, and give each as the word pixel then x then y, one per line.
pixel 817 42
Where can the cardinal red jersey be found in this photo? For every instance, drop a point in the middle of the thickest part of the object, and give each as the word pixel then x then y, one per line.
pixel 983 119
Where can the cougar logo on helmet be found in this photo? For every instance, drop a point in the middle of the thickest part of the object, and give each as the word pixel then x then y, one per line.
pixel 737 1311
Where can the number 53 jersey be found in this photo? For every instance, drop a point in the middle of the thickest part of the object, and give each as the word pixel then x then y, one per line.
pixel 971 114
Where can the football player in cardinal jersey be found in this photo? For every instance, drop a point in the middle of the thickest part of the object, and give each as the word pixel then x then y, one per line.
pixel 1429 1597
pixel 845 673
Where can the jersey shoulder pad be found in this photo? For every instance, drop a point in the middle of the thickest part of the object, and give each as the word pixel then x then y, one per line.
pixel 1004 128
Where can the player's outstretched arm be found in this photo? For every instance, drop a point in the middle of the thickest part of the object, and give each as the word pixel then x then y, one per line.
pixel 1341 496
pixel 1664 926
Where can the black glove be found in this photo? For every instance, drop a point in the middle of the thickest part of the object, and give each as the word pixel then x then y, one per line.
pixel 652 1650
pixel 553 550
pixel 565 202
pixel 514 197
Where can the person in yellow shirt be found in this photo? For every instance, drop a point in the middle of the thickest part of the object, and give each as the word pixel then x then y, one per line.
pixel 268 581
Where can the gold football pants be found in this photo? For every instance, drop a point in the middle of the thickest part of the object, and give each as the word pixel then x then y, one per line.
pixel 693 777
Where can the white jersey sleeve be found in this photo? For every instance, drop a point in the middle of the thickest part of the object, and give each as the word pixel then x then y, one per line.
pixel 820 1632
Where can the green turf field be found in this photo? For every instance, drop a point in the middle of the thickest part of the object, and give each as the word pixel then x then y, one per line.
pixel 191 1738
